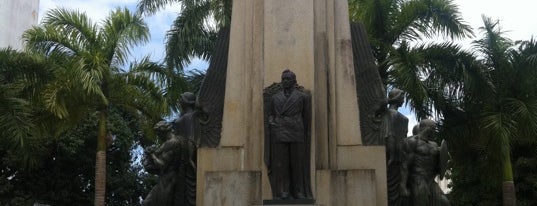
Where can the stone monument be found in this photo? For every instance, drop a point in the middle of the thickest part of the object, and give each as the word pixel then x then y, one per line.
pixel 313 38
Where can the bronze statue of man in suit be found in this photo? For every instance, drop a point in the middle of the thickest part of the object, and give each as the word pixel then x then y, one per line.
pixel 289 124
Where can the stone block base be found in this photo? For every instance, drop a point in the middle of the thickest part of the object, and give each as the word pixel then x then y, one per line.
pixel 232 188
pixel 346 187
pixel 289 202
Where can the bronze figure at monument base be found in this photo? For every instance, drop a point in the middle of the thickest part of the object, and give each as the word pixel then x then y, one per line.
pixel 174 160
pixel 423 163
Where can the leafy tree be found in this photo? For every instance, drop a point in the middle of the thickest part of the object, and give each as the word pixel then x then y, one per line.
pixel 65 176
pixel 89 78
pixel 394 25
pixel 22 76
pixel 486 101
pixel 391 23
pixel 524 156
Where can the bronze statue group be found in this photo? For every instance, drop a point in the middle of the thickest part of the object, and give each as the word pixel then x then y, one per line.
pixel 412 162
pixel 174 159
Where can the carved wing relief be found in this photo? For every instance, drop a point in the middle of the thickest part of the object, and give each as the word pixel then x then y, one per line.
pixel 210 100
pixel 371 92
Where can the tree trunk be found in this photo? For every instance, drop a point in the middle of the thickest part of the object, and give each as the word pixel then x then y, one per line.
pixel 100 163
pixel 508 186
pixel 508 193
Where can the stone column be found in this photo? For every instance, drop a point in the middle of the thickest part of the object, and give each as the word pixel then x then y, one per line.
pixel 231 173
pixel 312 38
pixel 341 158
pixel 289 44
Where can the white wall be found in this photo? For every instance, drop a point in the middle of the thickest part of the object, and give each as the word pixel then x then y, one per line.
pixel 15 17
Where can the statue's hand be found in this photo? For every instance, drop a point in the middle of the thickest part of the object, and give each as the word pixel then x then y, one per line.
pixel 150 166
pixel 149 150
pixel 271 121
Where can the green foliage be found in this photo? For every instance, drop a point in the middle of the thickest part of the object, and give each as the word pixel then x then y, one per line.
pixel 66 174
pixel 22 77
pixel 52 95
pixel 194 31
pixel 87 78
pixel 524 167
pixel 487 103
pixel 392 23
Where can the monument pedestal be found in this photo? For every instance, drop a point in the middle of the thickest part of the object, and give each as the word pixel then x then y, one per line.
pixel 360 179
pixel 290 202
pixel 312 38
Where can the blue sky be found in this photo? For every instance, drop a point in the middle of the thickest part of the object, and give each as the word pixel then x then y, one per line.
pixel 517 18
pixel 158 23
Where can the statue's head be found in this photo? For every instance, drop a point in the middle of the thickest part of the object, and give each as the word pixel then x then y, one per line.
pixel 288 79
pixel 396 97
pixel 162 128
pixel 427 127
pixel 415 129
pixel 187 99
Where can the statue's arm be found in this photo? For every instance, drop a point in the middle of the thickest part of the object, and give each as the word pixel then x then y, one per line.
pixel 408 146
pixel 270 111
pixel 307 115
pixel 164 153
pixel 438 165
pixel 148 161
pixel 443 158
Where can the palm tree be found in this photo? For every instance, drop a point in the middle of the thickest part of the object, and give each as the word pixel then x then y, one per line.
pixel 89 78
pixel 393 24
pixel 510 112
pixel 485 100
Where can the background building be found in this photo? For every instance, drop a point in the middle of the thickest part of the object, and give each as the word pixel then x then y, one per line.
pixel 16 16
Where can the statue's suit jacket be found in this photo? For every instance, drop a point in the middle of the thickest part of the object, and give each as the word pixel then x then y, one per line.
pixel 290 117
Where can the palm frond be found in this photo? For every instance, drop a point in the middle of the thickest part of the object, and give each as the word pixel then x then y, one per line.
pixel 15 117
pixel 51 42
pixel 173 82
pixel 524 113
pixel 75 24
pixel 189 37
pixel 499 128
pixel 407 73
pixel 375 15
pixel 144 98
pixel 428 18
pixel 149 7
pixel 528 50
pixel 120 31
pixel 493 45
